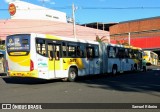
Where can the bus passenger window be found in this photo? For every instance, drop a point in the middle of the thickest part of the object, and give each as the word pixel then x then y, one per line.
pixel 96 51
pixel 121 53
pixel 82 51
pixel 90 53
pixel 79 52
pixel 112 52
pixel 130 53
pixel 64 49
pixel 50 52
pixel 41 47
pixel 71 51
pixel 57 53
pixel 126 55
pixel 64 53
pixel 44 53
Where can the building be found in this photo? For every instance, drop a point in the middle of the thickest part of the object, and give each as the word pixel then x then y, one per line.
pixel 24 10
pixel 144 33
pixel 99 25
pixel 29 18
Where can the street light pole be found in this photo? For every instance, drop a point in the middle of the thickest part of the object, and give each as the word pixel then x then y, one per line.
pixel 74 24
pixel 129 38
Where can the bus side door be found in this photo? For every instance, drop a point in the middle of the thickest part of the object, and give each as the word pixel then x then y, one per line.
pixel 54 61
pixel 90 60
pixel 122 60
pixel 126 60
pixel 93 59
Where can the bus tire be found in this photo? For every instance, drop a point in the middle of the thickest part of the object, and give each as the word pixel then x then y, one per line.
pixel 72 74
pixel 114 70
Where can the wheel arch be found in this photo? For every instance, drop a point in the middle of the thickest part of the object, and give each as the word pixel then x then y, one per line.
pixel 73 66
pixel 72 73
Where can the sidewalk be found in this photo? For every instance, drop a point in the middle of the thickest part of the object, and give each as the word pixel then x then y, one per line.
pixel 153 67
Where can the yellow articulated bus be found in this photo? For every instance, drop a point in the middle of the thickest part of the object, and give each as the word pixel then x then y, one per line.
pixel 138 58
pixel 52 57
pixel 151 57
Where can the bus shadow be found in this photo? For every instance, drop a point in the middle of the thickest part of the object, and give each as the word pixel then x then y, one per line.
pixel 28 81
pixel 146 82
pixel 128 82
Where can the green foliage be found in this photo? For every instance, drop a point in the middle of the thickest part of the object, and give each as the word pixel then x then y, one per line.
pixel 118 42
pixel 125 43
pixel 102 39
pixel 2 47
pixel 122 43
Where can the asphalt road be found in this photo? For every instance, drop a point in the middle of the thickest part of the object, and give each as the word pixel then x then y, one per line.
pixel 142 87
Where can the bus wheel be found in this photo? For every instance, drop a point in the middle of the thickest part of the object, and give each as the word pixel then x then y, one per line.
pixel 114 70
pixel 72 75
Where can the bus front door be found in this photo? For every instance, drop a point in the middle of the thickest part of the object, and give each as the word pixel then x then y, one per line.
pixel 54 60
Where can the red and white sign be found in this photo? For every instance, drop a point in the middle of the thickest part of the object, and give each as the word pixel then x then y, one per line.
pixel 12 9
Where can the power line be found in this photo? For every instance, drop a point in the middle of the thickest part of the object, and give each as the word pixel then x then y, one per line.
pixel 120 8
pixel 92 8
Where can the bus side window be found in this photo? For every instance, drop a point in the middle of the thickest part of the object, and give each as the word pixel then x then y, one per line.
pixel 121 53
pixel 90 52
pixel 108 51
pixel 71 51
pixel 130 53
pixel 64 49
pixel 134 54
pixel 96 51
pixel 78 51
pixel 82 51
pixel 57 55
pixel 111 52
pixel 57 52
pixel 44 53
pixel 117 52
pixel 126 53
pixel 50 52
pixel 41 47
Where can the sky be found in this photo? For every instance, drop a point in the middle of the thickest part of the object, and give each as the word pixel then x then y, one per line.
pixel 88 11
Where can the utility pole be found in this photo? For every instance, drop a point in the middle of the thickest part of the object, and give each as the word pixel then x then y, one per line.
pixel 129 38
pixel 74 23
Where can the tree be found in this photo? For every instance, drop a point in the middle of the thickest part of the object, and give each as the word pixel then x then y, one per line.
pixel 102 39
pixel 122 42
pixel 118 42
pixel 125 43
pixel 2 46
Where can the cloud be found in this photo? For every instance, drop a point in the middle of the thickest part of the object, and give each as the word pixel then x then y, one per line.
pixel 47 1
pixel 44 0
pixel 7 1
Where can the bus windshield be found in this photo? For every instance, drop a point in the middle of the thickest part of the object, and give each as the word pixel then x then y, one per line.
pixel 18 44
